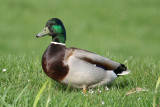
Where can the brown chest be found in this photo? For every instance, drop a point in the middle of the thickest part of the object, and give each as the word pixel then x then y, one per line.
pixel 52 62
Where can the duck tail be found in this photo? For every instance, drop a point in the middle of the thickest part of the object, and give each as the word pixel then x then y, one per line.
pixel 124 73
pixel 121 70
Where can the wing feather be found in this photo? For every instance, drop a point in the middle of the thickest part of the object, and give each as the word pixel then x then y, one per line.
pixel 94 58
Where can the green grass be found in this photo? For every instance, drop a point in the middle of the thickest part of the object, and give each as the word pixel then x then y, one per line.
pixel 124 31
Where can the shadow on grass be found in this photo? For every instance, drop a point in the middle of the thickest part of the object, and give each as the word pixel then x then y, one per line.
pixel 64 88
pixel 115 85
pixel 121 85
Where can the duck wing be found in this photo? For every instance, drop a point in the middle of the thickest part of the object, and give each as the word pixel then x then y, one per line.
pixel 92 58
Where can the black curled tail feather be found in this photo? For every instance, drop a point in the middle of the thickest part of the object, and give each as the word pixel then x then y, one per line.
pixel 120 69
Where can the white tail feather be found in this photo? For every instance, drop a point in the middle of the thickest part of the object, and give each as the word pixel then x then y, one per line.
pixel 124 73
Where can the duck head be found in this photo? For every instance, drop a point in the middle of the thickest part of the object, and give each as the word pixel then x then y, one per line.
pixel 54 27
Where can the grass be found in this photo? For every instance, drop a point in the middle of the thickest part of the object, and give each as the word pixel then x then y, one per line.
pixel 124 31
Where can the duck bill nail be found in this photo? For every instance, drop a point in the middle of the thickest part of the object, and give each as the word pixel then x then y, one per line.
pixel 44 32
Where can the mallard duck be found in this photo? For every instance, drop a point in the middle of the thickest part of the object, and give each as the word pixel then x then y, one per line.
pixel 76 67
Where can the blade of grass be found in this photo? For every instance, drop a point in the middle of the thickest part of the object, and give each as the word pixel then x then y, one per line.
pixel 15 101
pixel 157 84
pixel 68 87
pixel 48 100
pixel 4 95
pixel 39 93
pixel 154 97
pixel 4 103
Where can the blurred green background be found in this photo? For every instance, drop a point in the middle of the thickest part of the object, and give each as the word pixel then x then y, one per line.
pixel 122 30
pixel 126 27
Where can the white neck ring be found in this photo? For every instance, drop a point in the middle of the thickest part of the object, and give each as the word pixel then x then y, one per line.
pixel 57 43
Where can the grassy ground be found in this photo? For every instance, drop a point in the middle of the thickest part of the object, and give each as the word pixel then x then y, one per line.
pixel 124 31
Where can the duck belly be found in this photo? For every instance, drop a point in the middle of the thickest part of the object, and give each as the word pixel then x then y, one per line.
pixel 83 74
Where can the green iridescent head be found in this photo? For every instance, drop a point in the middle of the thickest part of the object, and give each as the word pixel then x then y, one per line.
pixel 54 27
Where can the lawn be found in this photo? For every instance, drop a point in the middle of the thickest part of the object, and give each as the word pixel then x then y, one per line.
pixel 124 31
